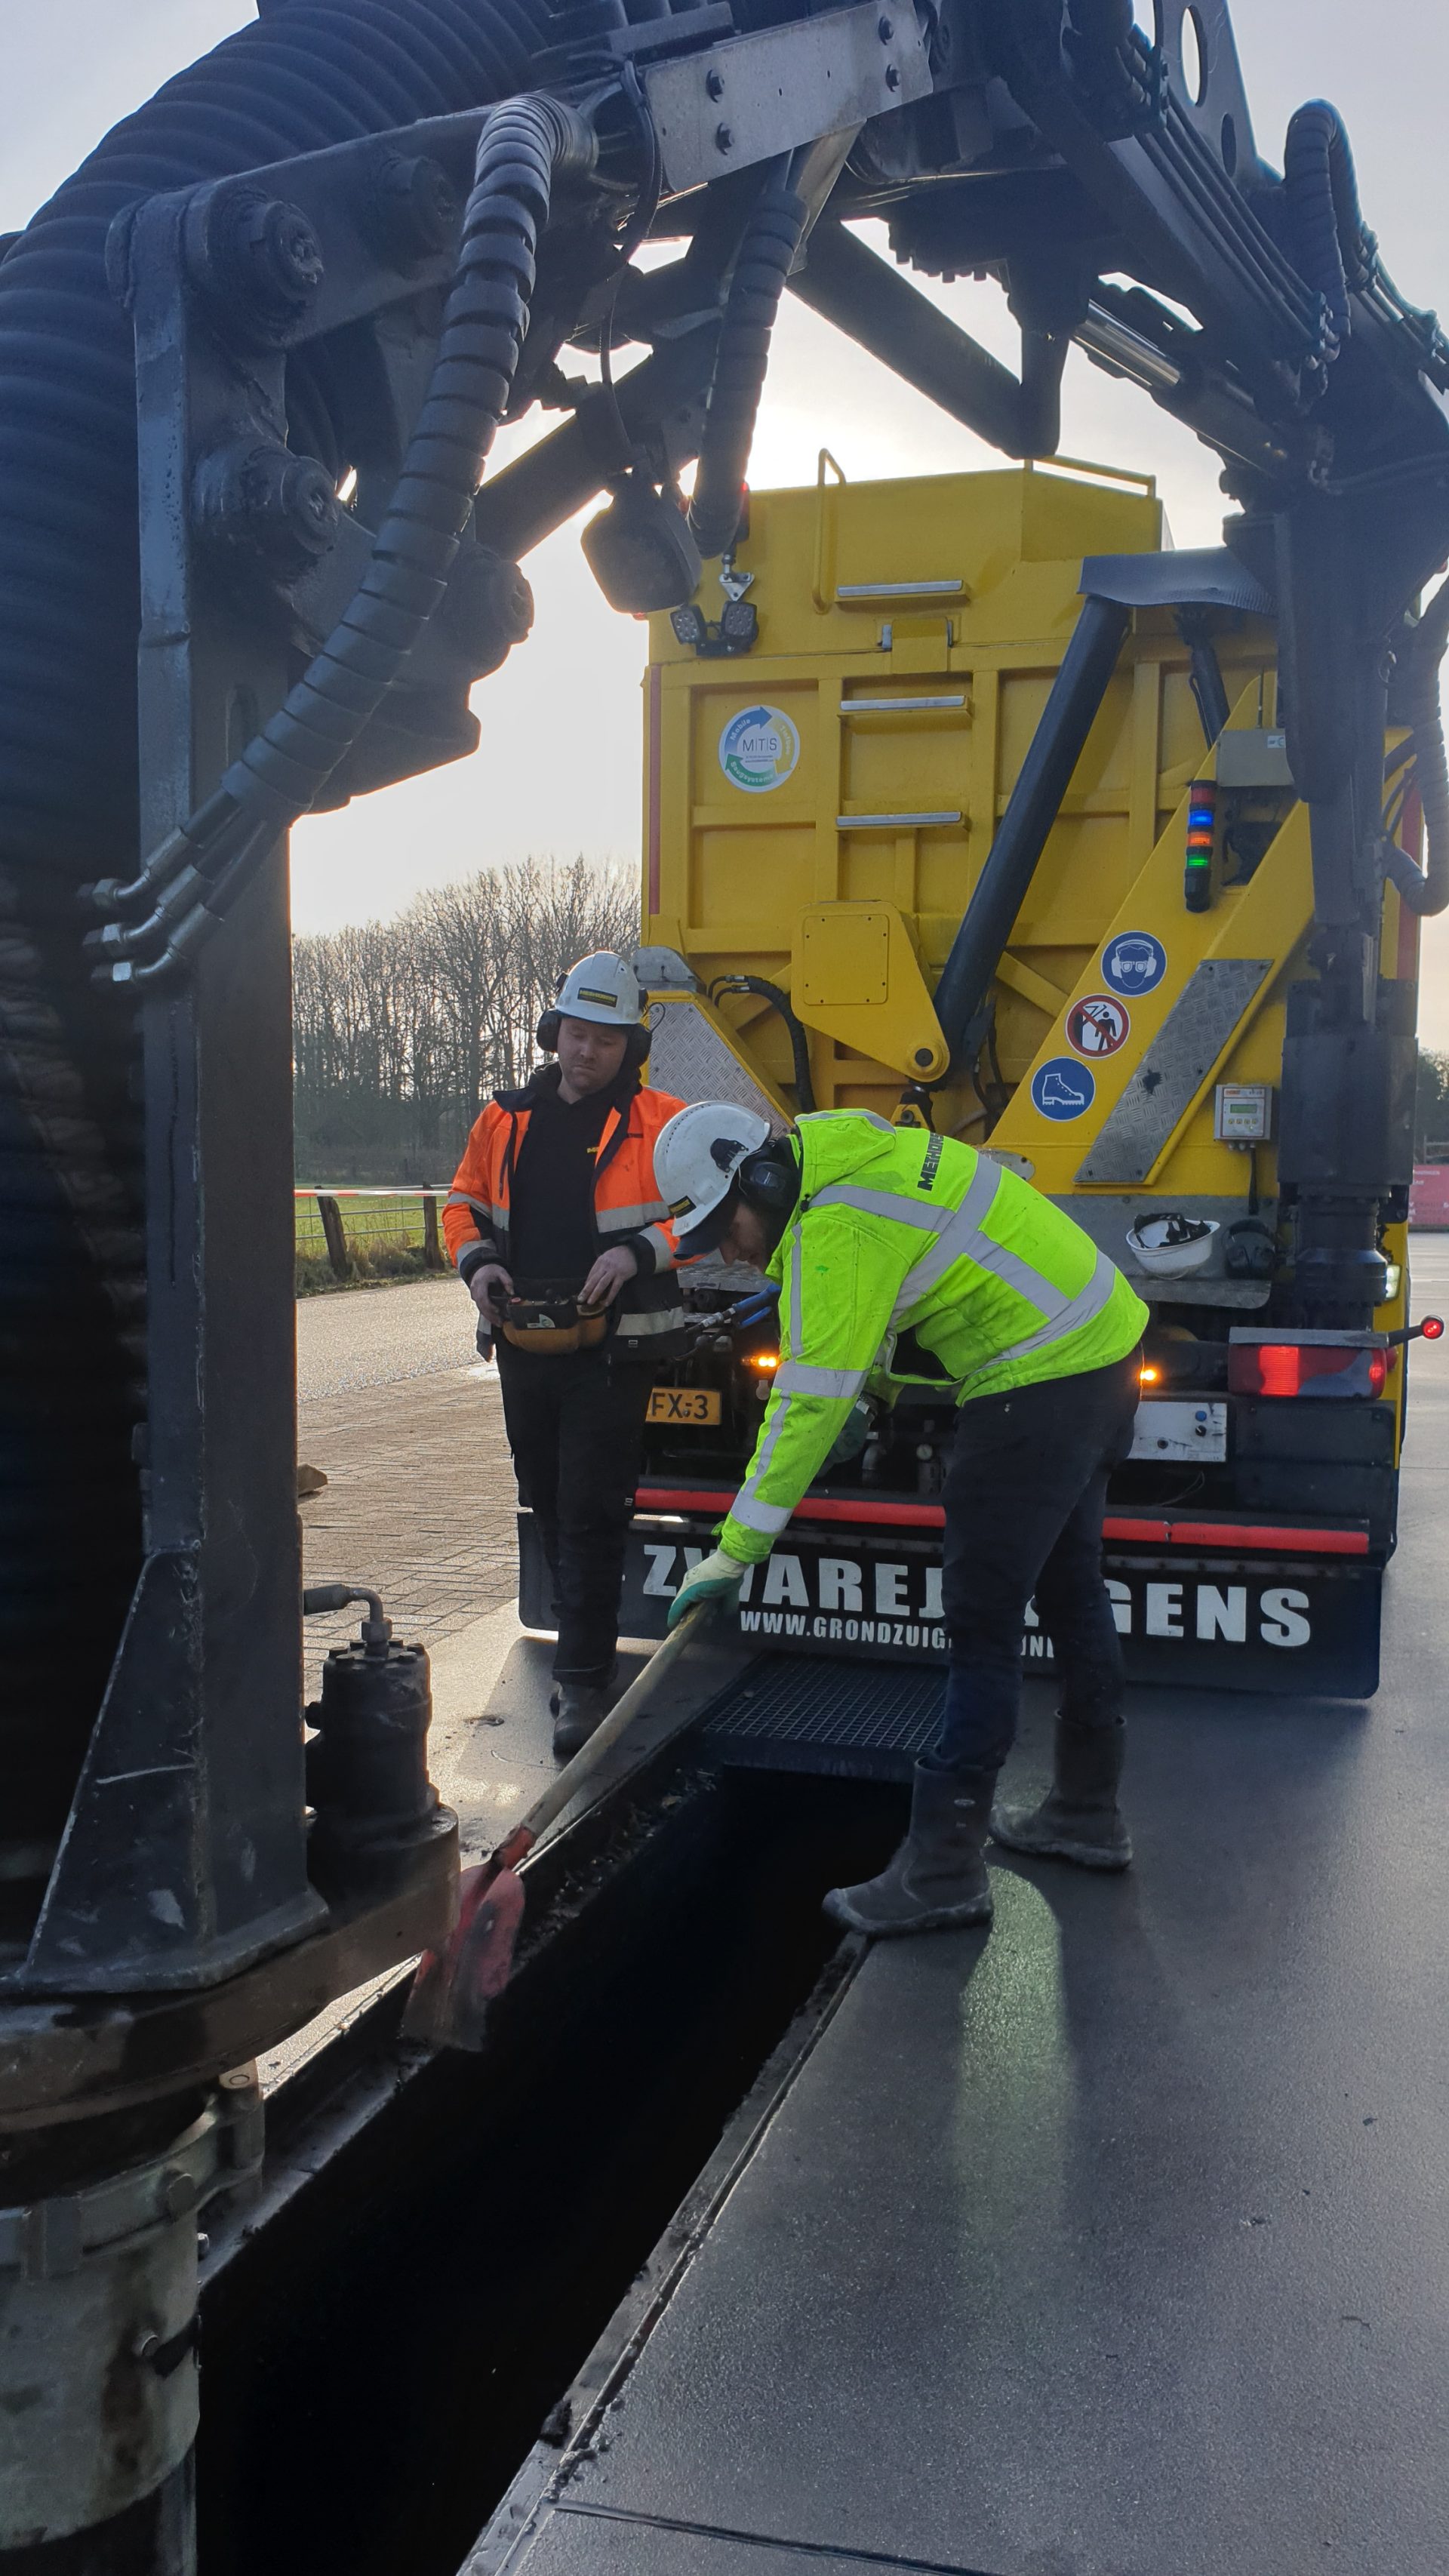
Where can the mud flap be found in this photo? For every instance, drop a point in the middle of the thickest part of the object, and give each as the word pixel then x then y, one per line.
pixel 1215 1622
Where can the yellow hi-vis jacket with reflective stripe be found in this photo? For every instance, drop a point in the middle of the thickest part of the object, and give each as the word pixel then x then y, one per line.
pixel 895 1228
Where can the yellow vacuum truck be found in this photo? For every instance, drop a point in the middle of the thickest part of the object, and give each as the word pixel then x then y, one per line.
pixel 968 802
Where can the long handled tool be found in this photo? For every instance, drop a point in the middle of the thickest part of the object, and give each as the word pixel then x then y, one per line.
pixel 454 1987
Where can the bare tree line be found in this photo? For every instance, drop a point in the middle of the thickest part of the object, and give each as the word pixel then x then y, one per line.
pixel 403 1027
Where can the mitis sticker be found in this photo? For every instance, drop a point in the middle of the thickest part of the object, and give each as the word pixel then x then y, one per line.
pixel 759 748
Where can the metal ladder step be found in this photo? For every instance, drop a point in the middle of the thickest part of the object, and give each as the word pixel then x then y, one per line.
pixel 790 1713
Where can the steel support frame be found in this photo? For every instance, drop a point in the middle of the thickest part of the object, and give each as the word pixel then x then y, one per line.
pixel 185 1856
pixel 1348 565
pixel 181 1933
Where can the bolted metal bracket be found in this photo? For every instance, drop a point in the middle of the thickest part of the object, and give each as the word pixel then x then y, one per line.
pixel 98 2288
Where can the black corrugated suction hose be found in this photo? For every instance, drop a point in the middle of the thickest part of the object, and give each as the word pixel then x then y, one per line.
pixel 195 876
pixel 316 73
pixel 1332 246
pixel 766 257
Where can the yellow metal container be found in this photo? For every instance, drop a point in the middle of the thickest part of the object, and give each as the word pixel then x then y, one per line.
pixel 819 812
pixel 820 807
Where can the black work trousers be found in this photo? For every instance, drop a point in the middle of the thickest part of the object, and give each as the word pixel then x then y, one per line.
pixel 1025 1494
pixel 576 1428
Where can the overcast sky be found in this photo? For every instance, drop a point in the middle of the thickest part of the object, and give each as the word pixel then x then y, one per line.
pixel 558 770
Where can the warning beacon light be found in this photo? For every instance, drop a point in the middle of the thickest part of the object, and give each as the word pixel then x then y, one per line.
pixel 1202 834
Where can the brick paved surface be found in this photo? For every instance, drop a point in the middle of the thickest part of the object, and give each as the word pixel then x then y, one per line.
pixel 420 1497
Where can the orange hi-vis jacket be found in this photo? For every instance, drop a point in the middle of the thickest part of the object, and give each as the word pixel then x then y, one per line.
pixel 628 1210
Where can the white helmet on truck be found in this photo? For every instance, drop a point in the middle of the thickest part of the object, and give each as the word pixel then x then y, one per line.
pixel 712 1152
pixel 1172 1245
pixel 602 987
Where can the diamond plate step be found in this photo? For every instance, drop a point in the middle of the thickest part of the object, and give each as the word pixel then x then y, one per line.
pixel 789 1713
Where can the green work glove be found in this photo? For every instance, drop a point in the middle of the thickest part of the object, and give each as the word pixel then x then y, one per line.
pixel 858 1426
pixel 718 1578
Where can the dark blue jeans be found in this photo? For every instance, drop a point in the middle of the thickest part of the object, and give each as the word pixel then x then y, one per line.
pixel 1024 1498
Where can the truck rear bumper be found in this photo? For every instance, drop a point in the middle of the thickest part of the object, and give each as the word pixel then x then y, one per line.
pixel 1223 1604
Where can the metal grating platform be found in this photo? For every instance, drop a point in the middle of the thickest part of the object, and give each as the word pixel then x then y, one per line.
pixel 793 1714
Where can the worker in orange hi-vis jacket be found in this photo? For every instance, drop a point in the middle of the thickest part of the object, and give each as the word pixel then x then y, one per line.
pixel 556 1226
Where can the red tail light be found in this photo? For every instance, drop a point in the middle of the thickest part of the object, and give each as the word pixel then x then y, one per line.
pixel 1306 1368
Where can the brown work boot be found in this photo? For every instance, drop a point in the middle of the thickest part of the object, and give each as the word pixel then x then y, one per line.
pixel 1078 1819
pixel 937 1880
pixel 578 1707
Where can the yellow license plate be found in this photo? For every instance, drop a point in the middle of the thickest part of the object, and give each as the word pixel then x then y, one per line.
pixel 692 1406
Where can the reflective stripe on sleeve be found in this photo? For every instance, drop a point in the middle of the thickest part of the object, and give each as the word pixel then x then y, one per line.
pixel 658 1319
pixel 746 1500
pixel 797 1377
pixel 630 1220
pixel 480 1209
pixel 768 1518
pixel 657 1238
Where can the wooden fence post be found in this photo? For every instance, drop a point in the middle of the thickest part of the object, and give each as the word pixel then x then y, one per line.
pixel 337 1252
pixel 432 1246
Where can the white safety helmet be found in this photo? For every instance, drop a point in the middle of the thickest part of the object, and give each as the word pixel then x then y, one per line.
pixel 696 1160
pixel 1172 1245
pixel 603 987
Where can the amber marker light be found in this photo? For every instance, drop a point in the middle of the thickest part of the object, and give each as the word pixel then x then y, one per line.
pixel 1149 1376
pixel 764 1359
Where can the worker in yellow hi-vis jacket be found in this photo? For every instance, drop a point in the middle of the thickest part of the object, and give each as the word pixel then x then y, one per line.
pixel 871 1231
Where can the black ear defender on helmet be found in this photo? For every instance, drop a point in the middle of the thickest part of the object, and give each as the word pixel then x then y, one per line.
pixel 769 1181
pixel 638 1036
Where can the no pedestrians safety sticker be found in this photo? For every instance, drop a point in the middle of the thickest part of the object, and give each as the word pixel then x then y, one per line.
pixel 1097 1025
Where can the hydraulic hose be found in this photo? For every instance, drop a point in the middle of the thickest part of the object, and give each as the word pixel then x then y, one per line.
pixel 778 1001
pixel 316 73
pixel 767 254
pixel 204 864
pixel 1205 675
pixel 1425 891
pixel 1332 246
pixel 964 991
